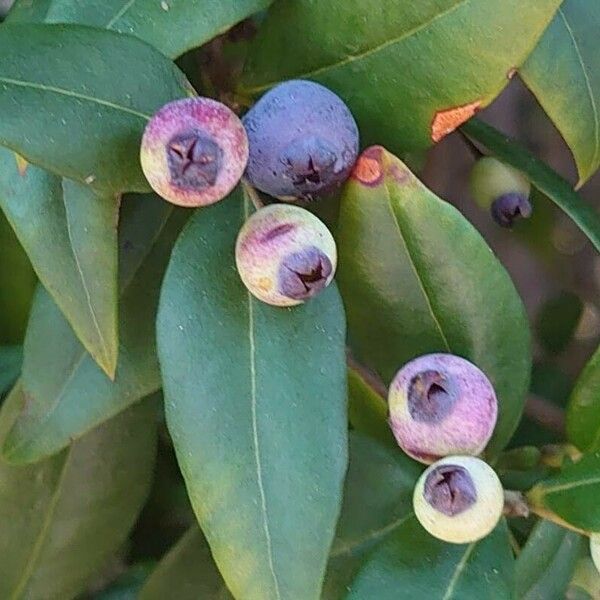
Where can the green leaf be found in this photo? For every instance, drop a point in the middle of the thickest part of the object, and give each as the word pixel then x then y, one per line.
pixel 75 100
pixel 57 371
pixel 377 501
pixel 28 11
pixel 546 563
pixel 571 95
pixel 70 235
pixel 583 412
pixel 547 180
pixel 572 494
pixel 62 518
pixel 406 69
pixel 128 585
pixel 557 321
pixel 367 410
pixel 256 405
pixel 172 26
pixel 187 572
pixel 412 564
pixel 417 277
pixel 11 358
pixel 17 283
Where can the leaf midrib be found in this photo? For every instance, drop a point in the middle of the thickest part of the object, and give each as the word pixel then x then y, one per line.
pixel 41 538
pixel 71 94
pixel 588 86
pixel 426 295
pixel 460 567
pixel 369 51
pixel 255 437
pixel 107 356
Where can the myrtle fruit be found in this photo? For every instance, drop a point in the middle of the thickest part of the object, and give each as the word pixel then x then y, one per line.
pixel 303 141
pixel 194 151
pixel 502 189
pixel 441 404
pixel 595 549
pixel 458 499
pixel 285 255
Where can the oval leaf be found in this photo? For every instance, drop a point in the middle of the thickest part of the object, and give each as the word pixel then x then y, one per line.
pixel 11 358
pixel 58 372
pixel 377 500
pixel 187 572
pixel 572 494
pixel 571 96
pixel 409 77
pixel 256 405
pixel 64 109
pixel 547 180
pixel 172 26
pixel 402 568
pixel 367 409
pixel 547 561
pixel 416 278
pixel 583 412
pixel 61 519
pixel 70 235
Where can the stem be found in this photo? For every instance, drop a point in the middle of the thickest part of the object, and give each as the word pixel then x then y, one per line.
pixel 252 194
pixel 368 376
pixel 550 516
pixel 515 504
pixel 546 414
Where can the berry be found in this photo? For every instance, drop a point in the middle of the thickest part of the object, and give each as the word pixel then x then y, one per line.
pixel 441 404
pixel 194 151
pixel 502 189
pixel 303 141
pixel 285 255
pixel 458 499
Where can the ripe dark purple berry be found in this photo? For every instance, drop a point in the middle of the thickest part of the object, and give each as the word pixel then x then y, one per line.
pixel 303 141
pixel 285 255
pixel 194 151
pixel 458 499
pixel 441 404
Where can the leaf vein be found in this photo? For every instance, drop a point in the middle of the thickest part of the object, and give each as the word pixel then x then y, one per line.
pixel 587 83
pixel 460 567
pixel 354 57
pixel 71 94
pixel 257 457
pixel 120 13
pixel 416 272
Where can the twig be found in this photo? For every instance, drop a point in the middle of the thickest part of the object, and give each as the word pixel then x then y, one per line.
pixel 546 414
pixel 368 376
pixel 252 194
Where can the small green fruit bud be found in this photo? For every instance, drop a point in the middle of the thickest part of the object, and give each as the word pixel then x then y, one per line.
pixel 458 499
pixel 502 189
pixel 285 255
pixel 441 404
pixel 194 151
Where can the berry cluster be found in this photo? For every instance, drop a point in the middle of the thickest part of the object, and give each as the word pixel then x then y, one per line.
pixel 299 141
pixel 443 410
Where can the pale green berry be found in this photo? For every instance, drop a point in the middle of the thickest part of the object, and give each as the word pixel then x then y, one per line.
pixel 458 499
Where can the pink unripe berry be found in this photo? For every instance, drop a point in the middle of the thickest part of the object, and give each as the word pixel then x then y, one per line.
pixel 441 404
pixel 194 151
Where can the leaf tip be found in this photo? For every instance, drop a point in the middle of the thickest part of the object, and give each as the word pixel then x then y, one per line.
pixel 368 169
